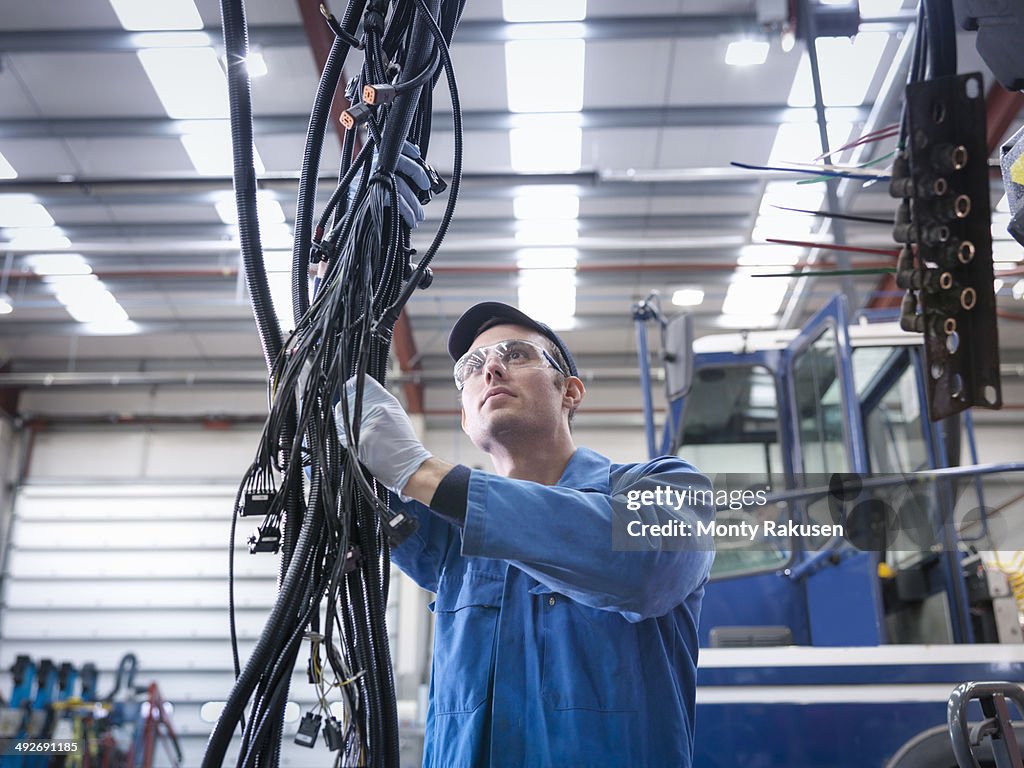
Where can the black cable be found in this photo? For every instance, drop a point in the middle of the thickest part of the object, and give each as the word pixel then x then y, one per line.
pixel 335 541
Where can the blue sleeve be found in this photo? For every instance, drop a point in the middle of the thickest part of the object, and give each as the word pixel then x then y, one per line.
pixel 564 537
pixel 422 555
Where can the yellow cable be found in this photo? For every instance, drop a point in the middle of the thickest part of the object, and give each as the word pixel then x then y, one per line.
pixel 1014 572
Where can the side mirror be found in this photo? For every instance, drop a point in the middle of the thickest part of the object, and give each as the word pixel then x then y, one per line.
pixel 677 352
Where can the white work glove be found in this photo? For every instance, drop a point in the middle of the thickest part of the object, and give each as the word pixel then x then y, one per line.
pixel 388 446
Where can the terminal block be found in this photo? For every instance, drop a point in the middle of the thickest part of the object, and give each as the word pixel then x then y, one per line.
pixel 944 225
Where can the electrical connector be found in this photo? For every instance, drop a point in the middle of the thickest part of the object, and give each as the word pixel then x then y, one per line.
pixel 266 539
pixel 352 559
pixel 256 503
pixel 332 735
pixel 309 727
pixel 399 527
pixel 355 115
pixel 379 93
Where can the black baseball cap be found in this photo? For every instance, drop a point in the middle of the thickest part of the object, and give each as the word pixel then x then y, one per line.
pixel 467 328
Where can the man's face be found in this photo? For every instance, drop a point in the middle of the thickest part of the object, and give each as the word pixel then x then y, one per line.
pixel 500 403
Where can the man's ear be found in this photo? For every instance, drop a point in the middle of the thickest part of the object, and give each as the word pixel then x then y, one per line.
pixel 574 392
pixel 462 411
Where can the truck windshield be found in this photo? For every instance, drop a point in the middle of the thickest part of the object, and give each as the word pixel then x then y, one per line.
pixel 731 427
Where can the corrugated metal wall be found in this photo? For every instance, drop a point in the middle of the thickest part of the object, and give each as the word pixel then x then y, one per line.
pixel 108 555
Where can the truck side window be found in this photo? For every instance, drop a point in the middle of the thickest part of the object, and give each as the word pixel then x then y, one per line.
pixel 731 426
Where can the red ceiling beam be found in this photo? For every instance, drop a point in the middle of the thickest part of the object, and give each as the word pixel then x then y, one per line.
pixel 1001 110
pixel 321 38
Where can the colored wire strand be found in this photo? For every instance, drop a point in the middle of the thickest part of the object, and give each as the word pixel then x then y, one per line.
pixel 843 216
pixel 830 174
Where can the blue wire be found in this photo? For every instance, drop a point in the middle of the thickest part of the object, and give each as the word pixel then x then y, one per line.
pixel 805 171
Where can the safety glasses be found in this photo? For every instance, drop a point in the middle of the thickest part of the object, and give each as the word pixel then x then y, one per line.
pixel 513 353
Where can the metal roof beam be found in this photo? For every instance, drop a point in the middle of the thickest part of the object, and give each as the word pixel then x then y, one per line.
pixel 482 120
pixel 586 224
pixel 660 26
pixel 470 31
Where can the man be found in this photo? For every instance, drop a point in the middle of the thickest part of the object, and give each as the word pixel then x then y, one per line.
pixel 552 647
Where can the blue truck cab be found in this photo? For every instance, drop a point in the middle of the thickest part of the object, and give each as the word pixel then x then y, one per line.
pixel 824 651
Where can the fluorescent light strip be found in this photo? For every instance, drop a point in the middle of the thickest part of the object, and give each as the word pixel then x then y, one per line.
pixel 6 169
pixel 23 211
pixel 547 258
pixel 543 10
pixel 747 53
pixel 549 295
pixel 801 142
pixel 547 285
pixel 545 75
pixel 58 264
pixel 547 232
pixel 547 144
pixel 256 64
pixel 688 297
pixel 268 209
pixel 189 81
pixel 38 237
pixel 547 203
pixel 280 284
pixel 212 154
pixel 84 297
pixel 136 15
pixel 755 296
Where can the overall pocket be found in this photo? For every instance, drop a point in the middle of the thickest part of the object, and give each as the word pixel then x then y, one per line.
pixel 466 617
pixel 590 657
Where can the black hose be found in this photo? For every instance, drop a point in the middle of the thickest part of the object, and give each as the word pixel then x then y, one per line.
pixel 319 116
pixel 236 46
pixel 941 37
pixel 338 335
pixel 421 51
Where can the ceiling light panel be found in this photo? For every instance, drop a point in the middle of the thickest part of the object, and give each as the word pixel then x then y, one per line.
pixel 23 211
pixel 747 53
pixel 189 81
pixel 6 169
pixel 688 297
pixel 545 75
pixel 547 203
pixel 801 142
pixel 137 15
pixel 268 209
pixel 544 10
pixel 847 68
pixel 58 264
pixel 549 295
pixel 547 232
pixel 755 296
pixel 37 237
pixel 547 258
pixel 212 154
pixel 550 148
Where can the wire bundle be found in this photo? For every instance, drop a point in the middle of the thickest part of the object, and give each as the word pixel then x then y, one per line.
pixel 335 559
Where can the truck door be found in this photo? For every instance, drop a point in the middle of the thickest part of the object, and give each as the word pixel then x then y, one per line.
pixel 826 438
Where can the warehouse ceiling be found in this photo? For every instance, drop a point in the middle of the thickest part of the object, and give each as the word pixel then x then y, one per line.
pixel 602 201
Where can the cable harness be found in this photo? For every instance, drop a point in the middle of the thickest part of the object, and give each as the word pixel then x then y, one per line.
pixel 331 521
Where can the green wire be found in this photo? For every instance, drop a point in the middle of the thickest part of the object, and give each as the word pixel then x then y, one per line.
pixel 868 164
